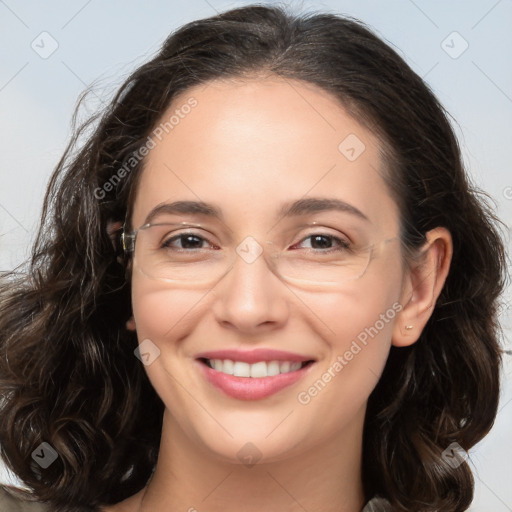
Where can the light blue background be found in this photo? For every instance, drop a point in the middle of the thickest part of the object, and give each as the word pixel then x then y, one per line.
pixel 104 41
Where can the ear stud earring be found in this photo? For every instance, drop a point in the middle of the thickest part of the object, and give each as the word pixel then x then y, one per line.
pixel 408 327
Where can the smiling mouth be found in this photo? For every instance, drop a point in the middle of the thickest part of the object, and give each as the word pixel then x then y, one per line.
pixel 256 370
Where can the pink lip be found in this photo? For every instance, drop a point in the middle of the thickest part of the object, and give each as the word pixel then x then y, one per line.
pixel 249 388
pixel 254 356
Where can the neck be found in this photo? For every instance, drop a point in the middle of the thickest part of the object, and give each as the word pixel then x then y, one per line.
pixel 190 478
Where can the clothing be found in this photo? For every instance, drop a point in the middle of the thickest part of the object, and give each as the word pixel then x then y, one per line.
pixel 377 505
pixel 9 503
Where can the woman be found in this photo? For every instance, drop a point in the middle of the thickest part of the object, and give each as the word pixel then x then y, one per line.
pixel 263 283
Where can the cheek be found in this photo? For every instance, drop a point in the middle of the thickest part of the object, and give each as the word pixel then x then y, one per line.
pixel 165 315
pixel 370 305
pixel 161 311
pixel 359 324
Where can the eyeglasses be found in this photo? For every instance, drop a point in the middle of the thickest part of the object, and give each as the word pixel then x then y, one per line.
pixel 184 254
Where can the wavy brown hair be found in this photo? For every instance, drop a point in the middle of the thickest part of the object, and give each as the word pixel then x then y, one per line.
pixel 68 374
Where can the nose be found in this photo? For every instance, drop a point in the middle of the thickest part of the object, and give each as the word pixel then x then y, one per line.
pixel 250 297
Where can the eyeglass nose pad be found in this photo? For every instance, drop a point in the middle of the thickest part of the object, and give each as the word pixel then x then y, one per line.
pixel 250 250
pixel 272 258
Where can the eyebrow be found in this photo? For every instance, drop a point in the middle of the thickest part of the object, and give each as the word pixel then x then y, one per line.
pixel 296 208
pixel 315 204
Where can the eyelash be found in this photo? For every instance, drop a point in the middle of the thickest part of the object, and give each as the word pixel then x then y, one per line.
pixel 342 244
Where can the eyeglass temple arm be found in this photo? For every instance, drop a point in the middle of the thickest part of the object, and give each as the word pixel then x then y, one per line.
pixel 127 240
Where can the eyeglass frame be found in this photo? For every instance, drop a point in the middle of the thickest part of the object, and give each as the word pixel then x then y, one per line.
pixel 132 236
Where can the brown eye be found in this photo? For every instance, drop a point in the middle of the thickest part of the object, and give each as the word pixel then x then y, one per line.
pixel 321 241
pixel 186 241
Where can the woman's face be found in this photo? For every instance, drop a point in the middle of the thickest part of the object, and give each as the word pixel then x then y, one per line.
pixel 249 148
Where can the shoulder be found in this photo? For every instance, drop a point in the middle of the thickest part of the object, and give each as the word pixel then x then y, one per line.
pixel 377 505
pixel 10 503
pixel 12 500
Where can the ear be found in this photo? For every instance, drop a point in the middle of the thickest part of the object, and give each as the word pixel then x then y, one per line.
pixel 130 324
pixel 113 228
pixel 422 286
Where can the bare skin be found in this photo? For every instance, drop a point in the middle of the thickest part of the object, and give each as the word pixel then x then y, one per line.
pixel 247 147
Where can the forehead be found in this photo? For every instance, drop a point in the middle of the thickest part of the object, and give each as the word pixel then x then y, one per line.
pixel 250 146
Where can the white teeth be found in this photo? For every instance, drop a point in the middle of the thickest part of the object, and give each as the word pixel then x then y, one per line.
pixel 239 369
pixel 272 368
pixel 228 367
pixel 255 370
pixel 258 369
